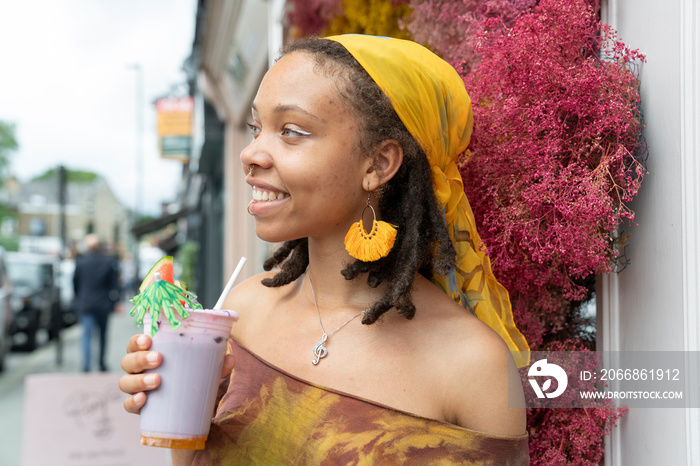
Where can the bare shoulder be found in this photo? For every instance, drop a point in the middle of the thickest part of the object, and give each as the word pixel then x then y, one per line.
pixel 251 300
pixel 487 393
pixel 474 366
pixel 243 295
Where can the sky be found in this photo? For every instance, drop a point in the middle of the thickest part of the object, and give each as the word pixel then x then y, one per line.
pixel 67 82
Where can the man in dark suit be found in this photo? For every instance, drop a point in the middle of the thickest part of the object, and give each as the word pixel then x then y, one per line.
pixel 96 284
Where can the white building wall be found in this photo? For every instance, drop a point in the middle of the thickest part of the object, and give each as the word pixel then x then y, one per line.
pixel 652 305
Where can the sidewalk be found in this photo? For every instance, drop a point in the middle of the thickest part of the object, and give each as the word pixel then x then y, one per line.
pixel 121 328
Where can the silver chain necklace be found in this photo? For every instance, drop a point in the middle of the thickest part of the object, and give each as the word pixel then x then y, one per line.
pixel 320 351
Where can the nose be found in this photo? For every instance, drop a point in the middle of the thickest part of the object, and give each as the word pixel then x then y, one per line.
pixel 255 155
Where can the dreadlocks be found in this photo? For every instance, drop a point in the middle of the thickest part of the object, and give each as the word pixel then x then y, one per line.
pixel 422 244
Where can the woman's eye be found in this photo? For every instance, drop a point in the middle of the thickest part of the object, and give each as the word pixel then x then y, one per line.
pixel 254 129
pixel 293 132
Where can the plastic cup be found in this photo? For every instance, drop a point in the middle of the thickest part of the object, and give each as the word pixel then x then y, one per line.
pixel 178 413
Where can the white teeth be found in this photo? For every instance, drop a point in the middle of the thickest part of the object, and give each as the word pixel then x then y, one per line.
pixel 262 196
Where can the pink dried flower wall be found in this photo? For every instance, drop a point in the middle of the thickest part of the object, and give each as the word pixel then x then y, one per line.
pixel 449 27
pixel 555 154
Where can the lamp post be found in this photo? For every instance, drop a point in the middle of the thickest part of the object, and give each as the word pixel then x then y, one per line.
pixel 57 308
pixel 138 201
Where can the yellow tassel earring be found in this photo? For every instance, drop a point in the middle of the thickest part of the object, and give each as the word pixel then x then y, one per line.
pixel 371 246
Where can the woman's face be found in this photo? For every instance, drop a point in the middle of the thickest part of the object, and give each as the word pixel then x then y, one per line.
pixel 307 171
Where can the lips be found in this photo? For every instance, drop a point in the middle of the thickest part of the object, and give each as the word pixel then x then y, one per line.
pixel 264 195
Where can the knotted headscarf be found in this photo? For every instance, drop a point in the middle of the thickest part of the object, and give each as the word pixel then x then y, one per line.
pixel 430 99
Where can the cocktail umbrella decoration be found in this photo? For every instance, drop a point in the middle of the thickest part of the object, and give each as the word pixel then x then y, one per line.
pixel 165 296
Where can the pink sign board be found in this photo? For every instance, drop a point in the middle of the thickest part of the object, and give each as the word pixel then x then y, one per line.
pixel 79 420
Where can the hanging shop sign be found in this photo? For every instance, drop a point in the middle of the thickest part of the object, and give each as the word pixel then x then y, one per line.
pixel 175 127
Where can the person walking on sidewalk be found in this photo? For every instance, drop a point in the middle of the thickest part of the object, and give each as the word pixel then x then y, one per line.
pixel 96 285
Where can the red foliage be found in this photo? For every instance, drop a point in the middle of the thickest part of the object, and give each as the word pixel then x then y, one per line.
pixel 553 157
pixel 310 17
pixel 570 436
pixel 448 27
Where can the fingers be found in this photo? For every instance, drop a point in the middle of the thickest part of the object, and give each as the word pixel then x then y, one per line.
pixel 135 363
pixel 138 343
pixel 134 403
pixel 136 385
pixel 137 360
pixel 229 362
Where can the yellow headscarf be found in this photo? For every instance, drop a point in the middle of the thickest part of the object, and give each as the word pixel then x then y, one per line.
pixel 432 102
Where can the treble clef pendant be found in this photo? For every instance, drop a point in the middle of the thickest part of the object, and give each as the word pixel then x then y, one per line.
pixel 320 351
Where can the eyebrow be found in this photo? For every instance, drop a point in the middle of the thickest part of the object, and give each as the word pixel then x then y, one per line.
pixel 290 108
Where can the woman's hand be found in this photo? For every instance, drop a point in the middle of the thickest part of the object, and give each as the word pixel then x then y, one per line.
pixel 139 359
pixel 135 382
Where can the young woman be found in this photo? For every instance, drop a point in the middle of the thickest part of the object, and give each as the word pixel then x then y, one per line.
pixel 355 349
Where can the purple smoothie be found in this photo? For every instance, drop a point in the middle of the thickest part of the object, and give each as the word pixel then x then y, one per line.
pixel 178 413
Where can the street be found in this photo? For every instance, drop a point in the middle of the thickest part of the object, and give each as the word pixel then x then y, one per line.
pixel 43 360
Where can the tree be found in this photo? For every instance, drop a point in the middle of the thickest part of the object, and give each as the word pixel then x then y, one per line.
pixel 8 144
pixel 72 176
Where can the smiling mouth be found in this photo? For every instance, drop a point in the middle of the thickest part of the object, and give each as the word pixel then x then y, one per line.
pixel 263 195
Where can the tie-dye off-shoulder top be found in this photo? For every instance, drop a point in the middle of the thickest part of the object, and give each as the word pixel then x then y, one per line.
pixel 270 417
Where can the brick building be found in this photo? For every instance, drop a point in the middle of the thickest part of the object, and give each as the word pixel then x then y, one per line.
pixel 91 207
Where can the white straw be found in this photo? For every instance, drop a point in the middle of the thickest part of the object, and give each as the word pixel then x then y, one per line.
pixel 229 285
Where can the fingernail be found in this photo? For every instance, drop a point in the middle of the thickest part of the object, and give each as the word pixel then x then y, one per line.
pixel 150 379
pixel 141 340
pixel 152 357
pixel 139 399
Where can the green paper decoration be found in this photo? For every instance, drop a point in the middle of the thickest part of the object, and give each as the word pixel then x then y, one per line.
pixel 163 295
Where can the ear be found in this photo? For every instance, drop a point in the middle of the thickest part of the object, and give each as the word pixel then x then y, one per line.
pixel 385 162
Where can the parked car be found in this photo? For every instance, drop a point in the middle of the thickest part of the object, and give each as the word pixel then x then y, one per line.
pixel 6 316
pixel 35 298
